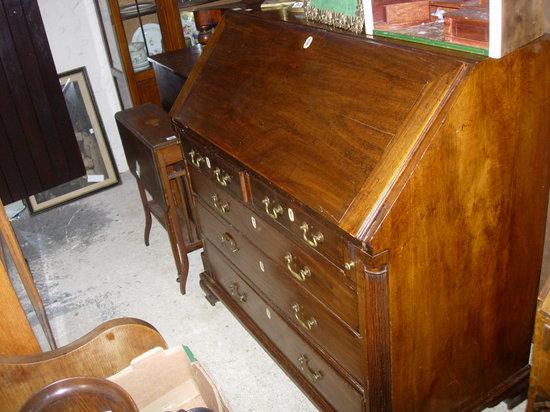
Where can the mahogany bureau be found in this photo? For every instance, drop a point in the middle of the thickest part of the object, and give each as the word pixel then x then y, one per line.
pixel 372 212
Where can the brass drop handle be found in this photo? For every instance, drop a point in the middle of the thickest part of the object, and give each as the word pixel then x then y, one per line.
pixel 302 275
pixel 222 177
pixel 306 324
pixel 275 211
pixel 227 239
pixel 223 208
pixel 315 239
pixel 313 376
pixel 234 290
pixel 196 159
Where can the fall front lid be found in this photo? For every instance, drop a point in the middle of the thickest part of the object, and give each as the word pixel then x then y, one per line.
pixel 324 119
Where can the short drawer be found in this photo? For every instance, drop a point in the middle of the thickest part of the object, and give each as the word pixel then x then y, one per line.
pixel 309 229
pixel 308 315
pixel 310 364
pixel 224 174
pixel 314 273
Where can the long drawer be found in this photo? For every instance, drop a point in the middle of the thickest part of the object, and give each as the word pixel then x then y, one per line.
pixel 311 231
pixel 331 283
pixel 296 305
pixel 322 377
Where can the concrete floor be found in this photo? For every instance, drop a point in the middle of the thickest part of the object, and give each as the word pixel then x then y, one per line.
pixel 90 265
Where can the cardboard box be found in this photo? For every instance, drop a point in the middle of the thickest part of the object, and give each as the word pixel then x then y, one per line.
pixel 169 380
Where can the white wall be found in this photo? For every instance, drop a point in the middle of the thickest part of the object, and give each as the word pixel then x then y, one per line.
pixel 75 39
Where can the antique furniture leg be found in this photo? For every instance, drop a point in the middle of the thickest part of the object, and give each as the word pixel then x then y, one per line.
pixel 25 274
pixel 173 243
pixel 146 210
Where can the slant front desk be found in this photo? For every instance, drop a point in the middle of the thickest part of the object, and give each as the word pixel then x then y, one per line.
pixel 373 213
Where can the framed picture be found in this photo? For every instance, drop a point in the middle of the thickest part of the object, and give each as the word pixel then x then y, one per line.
pixel 344 14
pixel 101 172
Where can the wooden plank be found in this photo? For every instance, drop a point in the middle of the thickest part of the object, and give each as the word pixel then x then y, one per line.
pixel 4 189
pixel 14 182
pixel 52 89
pixel 31 70
pixel 21 98
pixel 36 123
pixel 414 12
pixel 14 137
pixel 16 335
pixel 9 237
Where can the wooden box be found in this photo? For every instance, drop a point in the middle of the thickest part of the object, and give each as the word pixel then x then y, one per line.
pixel 511 24
pixel 414 12
pixel 372 212
pixel 468 26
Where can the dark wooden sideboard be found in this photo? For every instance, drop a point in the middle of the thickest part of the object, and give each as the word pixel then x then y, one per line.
pixel 372 212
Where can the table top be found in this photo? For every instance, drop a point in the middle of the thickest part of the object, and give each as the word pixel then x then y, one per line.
pixel 180 61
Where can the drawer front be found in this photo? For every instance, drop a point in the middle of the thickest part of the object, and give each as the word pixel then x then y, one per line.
pixel 322 279
pixel 336 390
pixel 224 174
pixel 332 280
pixel 298 307
pixel 310 230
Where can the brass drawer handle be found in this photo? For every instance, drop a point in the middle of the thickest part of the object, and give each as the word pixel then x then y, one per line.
pixel 222 177
pixel 316 238
pixel 227 239
pixel 196 159
pixel 302 275
pixel 306 324
pixel 223 208
pixel 234 290
pixel 275 211
pixel 304 367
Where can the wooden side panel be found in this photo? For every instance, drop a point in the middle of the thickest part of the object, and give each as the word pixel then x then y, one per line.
pixel 38 141
pixel 522 22
pixel 465 239
pixel 16 335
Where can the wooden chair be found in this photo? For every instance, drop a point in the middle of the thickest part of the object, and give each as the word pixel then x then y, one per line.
pixel 101 353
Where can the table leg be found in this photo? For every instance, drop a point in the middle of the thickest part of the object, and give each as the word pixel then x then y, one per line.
pixel 148 219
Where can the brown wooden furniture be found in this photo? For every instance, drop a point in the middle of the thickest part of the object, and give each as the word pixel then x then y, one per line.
pixel 172 70
pixel 101 353
pixel 154 158
pixel 16 336
pixel 373 212
pixel 137 86
pixel 38 148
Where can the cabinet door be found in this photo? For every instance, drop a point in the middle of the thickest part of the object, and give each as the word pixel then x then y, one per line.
pixel 38 148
